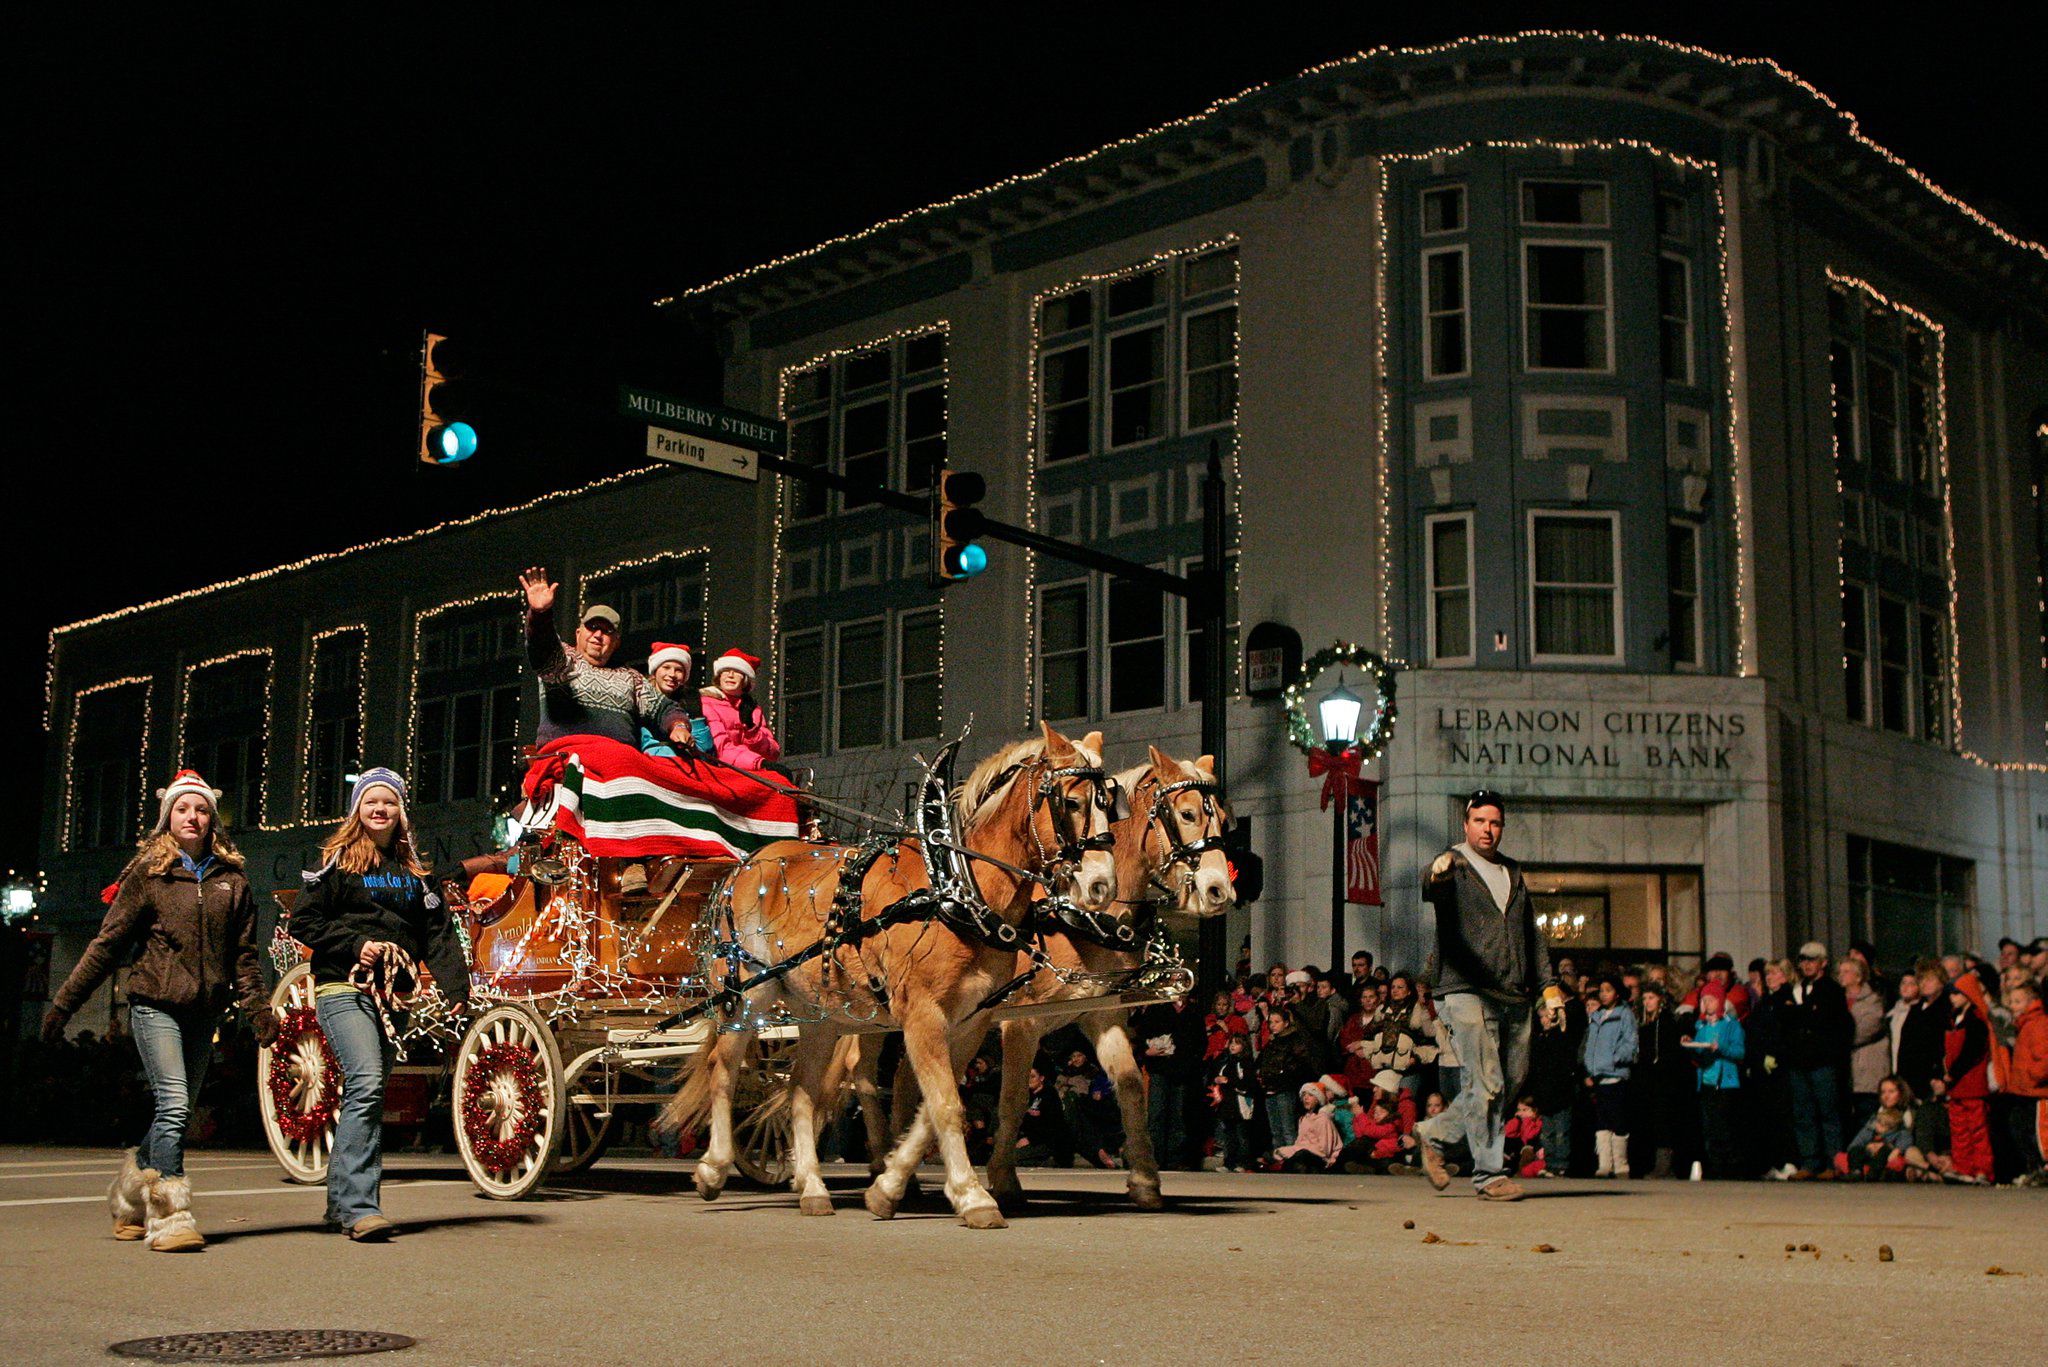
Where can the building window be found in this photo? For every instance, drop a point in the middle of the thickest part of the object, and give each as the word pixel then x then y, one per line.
pixel 1446 351
pixel 1882 411
pixel 1209 365
pixel 109 723
pixel 864 450
pixel 1920 434
pixel 1910 904
pixel 809 444
pixel 1843 399
pixel 1066 404
pixel 860 671
pixel 1894 666
pixel 1450 589
pixel 1856 652
pixel 1564 204
pixel 1567 324
pixel 226 717
pixel 1443 209
pixel 334 722
pixel 1193 634
pixel 1063 650
pixel 1575 591
pixel 924 436
pixel 468 744
pixel 1674 217
pixel 1210 271
pixel 803 692
pixel 1137 647
pixel 1137 386
pixel 1134 294
pixel 917 673
pixel 1674 307
pixel 659 599
pixel 1930 656
pixel 1682 575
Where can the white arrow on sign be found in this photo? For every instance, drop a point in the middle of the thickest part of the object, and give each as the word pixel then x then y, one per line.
pixel 681 448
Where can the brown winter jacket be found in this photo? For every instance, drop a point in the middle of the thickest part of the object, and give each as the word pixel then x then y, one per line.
pixel 191 944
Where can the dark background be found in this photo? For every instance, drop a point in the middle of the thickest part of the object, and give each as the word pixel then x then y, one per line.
pixel 229 233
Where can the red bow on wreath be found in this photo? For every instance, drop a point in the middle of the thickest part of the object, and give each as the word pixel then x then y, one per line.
pixel 1338 772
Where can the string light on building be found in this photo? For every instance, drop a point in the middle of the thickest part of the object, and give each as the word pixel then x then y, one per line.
pixel 1851 126
pixel 362 631
pixel 147 682
pixel 1034 458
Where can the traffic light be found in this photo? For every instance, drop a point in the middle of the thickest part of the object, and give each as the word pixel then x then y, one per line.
pixel 956 522
pixel 444 439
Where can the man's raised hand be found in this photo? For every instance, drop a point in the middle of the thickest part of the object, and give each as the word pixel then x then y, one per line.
pixel 1441 869
pixel 540 594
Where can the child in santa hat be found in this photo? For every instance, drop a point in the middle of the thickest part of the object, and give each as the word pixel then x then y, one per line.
pixel 739 729
pixel 183 919
pixel 668 668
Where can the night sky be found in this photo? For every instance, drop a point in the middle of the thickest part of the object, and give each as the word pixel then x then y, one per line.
pixel 229 234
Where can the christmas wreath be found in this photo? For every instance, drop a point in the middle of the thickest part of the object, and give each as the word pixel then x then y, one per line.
pixel 496 1153
pixel 297 1122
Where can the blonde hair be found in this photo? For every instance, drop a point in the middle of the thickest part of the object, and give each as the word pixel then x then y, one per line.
pixel 158 851
pixel 354 850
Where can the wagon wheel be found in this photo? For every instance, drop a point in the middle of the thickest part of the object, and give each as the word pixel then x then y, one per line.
pixel 298 1082
pixel 590 1128
pixel 510 1117
pixel 760 1110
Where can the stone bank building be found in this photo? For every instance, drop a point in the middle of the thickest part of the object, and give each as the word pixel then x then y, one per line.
pixel 1682 446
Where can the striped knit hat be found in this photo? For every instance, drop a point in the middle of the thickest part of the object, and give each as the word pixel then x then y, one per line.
pixel 377 778
pixel 183 782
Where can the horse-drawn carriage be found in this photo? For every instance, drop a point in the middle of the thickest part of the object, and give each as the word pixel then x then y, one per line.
pixel 586 999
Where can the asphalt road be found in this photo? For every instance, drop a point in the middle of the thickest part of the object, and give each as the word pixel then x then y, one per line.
pixel 624 1264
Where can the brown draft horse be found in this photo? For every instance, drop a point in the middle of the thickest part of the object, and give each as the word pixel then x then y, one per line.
pixel 1168 857
pixel 1037 805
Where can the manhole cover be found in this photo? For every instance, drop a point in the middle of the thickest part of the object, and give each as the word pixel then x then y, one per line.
pixel 262 1345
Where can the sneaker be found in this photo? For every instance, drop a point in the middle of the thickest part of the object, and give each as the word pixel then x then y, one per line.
pixel 1502 1189
pixel 1433 1166
pixel 371 1229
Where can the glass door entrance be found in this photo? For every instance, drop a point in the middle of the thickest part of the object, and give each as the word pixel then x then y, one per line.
pixel 1627 915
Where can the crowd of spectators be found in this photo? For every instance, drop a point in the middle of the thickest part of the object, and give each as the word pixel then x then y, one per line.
pixel 1795 1070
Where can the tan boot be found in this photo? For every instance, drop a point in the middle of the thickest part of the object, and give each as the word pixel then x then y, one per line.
pixel 127 1198
pixel 171 1226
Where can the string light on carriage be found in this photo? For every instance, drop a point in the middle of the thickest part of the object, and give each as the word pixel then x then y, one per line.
pixel 1034 458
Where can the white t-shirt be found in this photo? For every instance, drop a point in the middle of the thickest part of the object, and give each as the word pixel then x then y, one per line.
pixel 1494 874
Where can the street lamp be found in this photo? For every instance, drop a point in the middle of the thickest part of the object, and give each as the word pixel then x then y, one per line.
pixel 1339 712
pixel 18 901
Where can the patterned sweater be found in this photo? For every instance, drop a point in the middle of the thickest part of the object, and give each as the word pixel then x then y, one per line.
pixel 578 698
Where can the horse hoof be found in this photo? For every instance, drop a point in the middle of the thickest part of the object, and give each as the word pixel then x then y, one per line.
pixel 983 1217
pixel 879 1205
pixel 1146 1198
pixel 709 1186
pixel 815 1205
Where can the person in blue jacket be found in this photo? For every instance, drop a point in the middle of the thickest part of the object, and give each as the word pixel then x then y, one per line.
pixel 1607 1056
pixel 1718 1047
pixel 669 670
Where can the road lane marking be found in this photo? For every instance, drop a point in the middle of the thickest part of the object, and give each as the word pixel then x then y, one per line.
pixel 101 1171
pixel 281 1189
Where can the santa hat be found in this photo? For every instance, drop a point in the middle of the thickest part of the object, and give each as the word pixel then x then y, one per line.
pixel 735 659
pixel 1333 1086
pixel 664 651
pixel 183 782
pixel 1312 1090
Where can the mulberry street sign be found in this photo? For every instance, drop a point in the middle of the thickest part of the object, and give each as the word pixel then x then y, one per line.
pixel 727 426
pixel 720 458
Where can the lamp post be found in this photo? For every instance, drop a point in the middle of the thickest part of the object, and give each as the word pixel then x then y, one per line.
pixel 1338 714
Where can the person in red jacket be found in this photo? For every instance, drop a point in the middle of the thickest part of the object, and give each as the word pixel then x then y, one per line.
pixel 2026 1088
pixel 1384 1131
pixel 1965 1081
pixel 1525 1139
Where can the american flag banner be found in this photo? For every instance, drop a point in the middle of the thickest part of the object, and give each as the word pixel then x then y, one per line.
pixel 1362 842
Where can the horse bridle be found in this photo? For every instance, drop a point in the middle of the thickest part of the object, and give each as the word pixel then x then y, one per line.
pixel 1185 854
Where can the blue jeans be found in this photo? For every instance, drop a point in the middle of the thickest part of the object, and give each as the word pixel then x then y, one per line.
pixel 1282 1110
pixel 1557 1141
pixel 1492 1044
pixel 356 1168
pixel 1816 1115
pixel 175 1046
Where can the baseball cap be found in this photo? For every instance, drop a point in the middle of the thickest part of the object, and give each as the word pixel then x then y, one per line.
pixel 604 610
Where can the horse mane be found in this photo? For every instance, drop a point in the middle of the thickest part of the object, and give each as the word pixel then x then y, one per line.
pixel 1130 778
pixel 976 799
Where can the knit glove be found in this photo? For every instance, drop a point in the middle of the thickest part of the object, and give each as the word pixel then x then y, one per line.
pixel 263 1022
pixel 54 1021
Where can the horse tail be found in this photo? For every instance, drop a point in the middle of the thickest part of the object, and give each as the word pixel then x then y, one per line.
pixel 690 1108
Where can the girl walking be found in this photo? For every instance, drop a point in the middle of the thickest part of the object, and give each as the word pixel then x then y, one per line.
pixel 371 919
pixel 183 916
